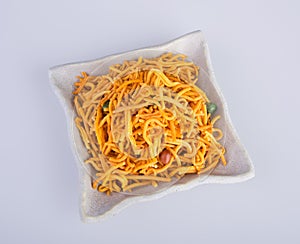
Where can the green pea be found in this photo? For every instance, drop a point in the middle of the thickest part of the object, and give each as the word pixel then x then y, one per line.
pixel 211 107
pixel 106 104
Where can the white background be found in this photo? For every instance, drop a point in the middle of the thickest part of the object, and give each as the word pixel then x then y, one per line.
pixel 255 54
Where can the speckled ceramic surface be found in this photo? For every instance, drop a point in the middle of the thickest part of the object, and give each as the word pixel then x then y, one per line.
pixel 97 206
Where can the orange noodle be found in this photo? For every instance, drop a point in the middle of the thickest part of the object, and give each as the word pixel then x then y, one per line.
pixel 145 122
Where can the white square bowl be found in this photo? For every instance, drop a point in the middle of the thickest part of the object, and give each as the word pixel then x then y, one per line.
pixel 97 206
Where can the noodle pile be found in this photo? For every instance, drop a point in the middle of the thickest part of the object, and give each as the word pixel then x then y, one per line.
pixel 140 110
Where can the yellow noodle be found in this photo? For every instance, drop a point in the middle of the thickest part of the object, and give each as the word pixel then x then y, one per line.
pixel 144 116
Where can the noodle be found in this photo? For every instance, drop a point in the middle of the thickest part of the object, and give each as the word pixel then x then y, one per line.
pixel 127 118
